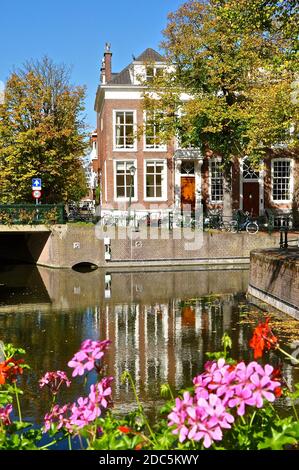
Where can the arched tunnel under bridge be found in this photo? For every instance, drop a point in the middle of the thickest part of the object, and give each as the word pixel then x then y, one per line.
pixel 57 246
pixel 21 246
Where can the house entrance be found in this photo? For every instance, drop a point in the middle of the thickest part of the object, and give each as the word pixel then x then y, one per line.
pixel 188 193
pixel 187 186
pixel 251 198
pixel 251 188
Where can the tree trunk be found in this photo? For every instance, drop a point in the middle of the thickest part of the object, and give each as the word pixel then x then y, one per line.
pixel 227 192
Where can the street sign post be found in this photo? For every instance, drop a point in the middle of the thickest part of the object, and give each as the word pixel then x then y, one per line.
pixel 36 194
pixel 36 189
pixel 37 184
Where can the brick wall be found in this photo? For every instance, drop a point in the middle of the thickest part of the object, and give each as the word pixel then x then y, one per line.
pixel 106 153
pixel 277 274
pixel 69 245
pixel 213 247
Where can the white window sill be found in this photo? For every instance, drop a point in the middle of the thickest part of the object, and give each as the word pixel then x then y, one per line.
pixel 155 199
pixel 125 199
pixel 287 201
pixel 125 149
pixel 148 149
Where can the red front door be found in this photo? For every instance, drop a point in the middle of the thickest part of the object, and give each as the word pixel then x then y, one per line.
pixel 251 198
pixel 188 193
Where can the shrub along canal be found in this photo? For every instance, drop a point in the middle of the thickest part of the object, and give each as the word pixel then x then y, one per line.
pixel 161 325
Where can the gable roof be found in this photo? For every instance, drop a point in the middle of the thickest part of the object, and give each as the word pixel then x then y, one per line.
pixel 150 55
pixel 121 78
pixel 124 77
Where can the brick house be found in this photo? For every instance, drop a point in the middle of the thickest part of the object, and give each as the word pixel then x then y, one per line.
pixel 149 177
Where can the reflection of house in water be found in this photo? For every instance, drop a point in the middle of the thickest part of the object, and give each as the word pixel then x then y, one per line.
pixel 156 343
pixel 161 324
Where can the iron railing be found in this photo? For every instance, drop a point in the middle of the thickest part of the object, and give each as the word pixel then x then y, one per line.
pixel 285 242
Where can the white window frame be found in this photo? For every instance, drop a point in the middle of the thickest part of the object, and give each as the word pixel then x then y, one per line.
pixel 164 179
pixel 159 148
pixel 155 68
pixel 212 160
pixel 134 148
pixel 125 199
pixel 282 201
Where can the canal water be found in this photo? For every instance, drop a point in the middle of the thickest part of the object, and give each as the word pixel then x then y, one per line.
pixel 161 324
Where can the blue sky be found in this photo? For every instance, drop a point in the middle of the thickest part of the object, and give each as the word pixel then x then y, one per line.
pixel 75 31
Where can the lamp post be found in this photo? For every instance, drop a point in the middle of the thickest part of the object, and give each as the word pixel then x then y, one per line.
pixel 132 171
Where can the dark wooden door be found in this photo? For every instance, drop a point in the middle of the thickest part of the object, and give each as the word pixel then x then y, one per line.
pixel 251 198
pixel 188 192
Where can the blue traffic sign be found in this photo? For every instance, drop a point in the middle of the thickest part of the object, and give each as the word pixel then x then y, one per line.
pixel 37 184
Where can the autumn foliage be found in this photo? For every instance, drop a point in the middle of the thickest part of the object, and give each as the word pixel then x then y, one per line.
pixel 42 134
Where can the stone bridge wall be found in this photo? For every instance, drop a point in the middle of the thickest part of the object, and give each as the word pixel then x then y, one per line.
pixel 63 246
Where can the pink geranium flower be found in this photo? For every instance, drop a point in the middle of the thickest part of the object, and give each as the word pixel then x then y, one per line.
pixel 4 415
pixel 54 380
pixel 88 356
pixel 218 390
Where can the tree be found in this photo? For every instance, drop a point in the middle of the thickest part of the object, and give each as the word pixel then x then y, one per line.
pixel 236 60
pixel 42 134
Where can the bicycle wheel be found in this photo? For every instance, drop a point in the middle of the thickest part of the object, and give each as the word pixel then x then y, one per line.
pixel 233 226
pixel 252 228
pixel 107 220
pixel 224 226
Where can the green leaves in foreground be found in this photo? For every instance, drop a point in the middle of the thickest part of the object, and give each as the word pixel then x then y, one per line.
pixel 286 434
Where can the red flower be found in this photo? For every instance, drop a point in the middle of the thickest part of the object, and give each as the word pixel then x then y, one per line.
pixel 277 376
pixel 10 369
pixel 262 339
pixel 124 429
pixel 278 392
pixel 3 372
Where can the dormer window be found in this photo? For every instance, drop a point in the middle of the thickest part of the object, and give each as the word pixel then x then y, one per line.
pixel 151 72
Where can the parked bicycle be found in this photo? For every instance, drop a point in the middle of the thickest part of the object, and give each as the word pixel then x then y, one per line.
pixel 215 220
pixel 187 221
pixel 245 223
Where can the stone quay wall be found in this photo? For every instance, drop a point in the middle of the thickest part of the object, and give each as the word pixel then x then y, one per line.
pixel 64 246
pixel 274 279
pixel 70 245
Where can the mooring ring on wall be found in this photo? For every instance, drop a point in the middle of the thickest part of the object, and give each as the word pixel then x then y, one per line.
pixel 138 244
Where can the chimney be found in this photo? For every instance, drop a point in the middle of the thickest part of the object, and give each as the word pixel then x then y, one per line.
pixel 108 62
pixel 103 72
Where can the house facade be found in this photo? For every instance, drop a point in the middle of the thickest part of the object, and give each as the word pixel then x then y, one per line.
pixel 136 172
